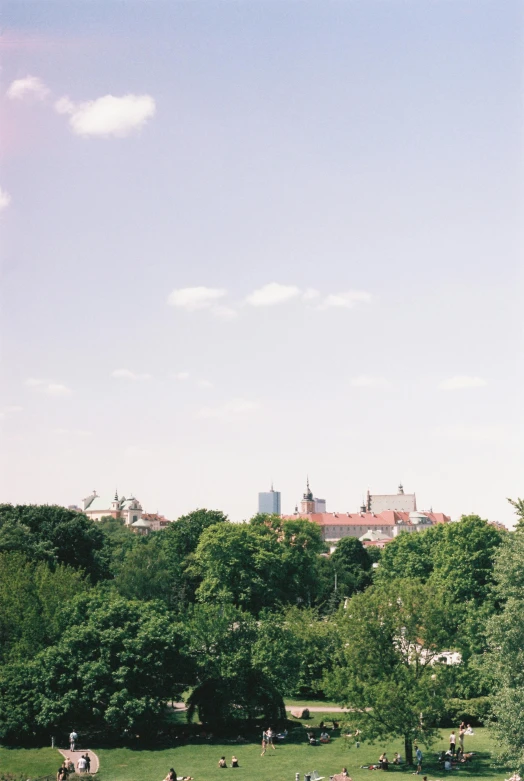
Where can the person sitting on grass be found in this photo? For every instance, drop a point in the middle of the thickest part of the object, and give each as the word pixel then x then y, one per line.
pixel 311 739
pixel 324 737
pixel 234 761
pixel 222 762
pixel 171 776
pixel 397 759
pixel 383 761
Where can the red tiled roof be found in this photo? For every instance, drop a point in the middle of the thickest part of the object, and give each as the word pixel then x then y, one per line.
pixel 385 518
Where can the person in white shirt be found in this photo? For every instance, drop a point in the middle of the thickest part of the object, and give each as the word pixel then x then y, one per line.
pixel 73 737
pixel 452 742
pixel 81 765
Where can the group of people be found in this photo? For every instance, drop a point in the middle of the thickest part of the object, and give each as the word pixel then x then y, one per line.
pixel 234 762
pixel 67 767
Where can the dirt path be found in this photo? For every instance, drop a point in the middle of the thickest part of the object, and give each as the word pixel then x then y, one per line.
pixel 75 756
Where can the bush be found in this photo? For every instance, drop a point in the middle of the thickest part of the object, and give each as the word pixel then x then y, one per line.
pixel 474 712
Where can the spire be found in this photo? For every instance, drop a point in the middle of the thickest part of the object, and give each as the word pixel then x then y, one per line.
pixel 308 496
pixel 400 488
pixel 116 495
pixel 272 489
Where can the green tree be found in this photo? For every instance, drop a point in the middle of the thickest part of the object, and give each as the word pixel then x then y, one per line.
pixel 55 535
pixel 385 668
pixel 113 668
pixel 518 506
pixel 241 564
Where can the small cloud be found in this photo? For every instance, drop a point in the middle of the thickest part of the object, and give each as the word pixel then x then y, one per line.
pixel 5 199
pixel 346 300
pixel 470 433
pixel 64 105
pixel 28 87
pixel 231 410
pixel 364 381
pixel 50 388
pixel 462 381
pixel 134 451
pixel 6 412
pixel 310 294
pixel 224 312
pixel 127 374
pixel 193 298
pixel 108 116
pixel 180 375
pixel 205 384
pixel 272 294
pixel 76 432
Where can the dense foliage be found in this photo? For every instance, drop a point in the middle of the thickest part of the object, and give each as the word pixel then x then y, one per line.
pixel 101 628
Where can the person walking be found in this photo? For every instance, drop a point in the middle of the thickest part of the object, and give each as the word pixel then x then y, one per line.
pixel 73 737
pixel 264 743
pixel 270 738
pixel 88 762
pixel 81 765
pixel 452 741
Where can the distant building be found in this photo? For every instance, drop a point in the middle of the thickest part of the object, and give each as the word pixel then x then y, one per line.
pixel 269 502
pixel 310 503
pixel 401 502
pixel 128 510
pixel 96 507
pixel 335 526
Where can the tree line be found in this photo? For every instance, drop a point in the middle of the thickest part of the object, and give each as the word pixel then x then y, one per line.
pixel 100 628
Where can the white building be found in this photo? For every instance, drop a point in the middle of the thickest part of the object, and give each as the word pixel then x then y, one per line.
pixel 96 507
pixel 399 502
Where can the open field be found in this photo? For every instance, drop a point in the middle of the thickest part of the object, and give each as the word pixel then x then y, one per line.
pixel 200 760
pixel 32 762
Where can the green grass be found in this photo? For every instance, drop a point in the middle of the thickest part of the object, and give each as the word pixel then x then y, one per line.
pixel 32 762
pixel 290 703
pixel 200 761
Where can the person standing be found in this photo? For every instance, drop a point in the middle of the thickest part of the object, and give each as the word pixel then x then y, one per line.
pixel 452 741
pixel 270 738
pixel 73 737
pixel 462 732
pixel 88 762
pixel 81 765
pixel 418 755
pixel 264 744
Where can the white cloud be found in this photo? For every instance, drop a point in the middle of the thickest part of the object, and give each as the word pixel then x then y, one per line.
pixel 224 312
pixel 231 410
pixel 5 199
pixel 471 433
pixel 76 432
pixel 205 384
pixel 180 375
pixel 109 115
pixel 346 300
pixel 462 381
pixel 64 105
pixel 192 298
pixel 134 451
pixel 365 381
pixel 310 294
pixel 6 412
pixel 272 294
pixel 28 87
pixel 127 374
pixel 50 388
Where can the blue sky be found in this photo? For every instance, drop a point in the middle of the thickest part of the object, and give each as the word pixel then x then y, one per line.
pixel 362 159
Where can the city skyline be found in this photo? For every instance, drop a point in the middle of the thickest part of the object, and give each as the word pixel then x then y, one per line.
pixel 297 253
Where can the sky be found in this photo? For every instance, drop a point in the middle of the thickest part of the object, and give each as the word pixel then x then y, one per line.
pixel 245 242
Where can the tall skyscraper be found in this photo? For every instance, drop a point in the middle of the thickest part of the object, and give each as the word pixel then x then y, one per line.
pixel 269 502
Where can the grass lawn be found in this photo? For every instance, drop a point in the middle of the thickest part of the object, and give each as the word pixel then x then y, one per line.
pixel 314 703
pixel 294 756
pixel 200 761
pixel 32 762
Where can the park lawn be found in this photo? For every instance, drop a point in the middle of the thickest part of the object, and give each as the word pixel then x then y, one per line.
pixel 31 762
pixel 291 703
pixel 200 761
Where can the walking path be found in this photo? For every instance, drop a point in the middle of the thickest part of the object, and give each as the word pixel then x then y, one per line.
pixel 75 756
pixel 311 708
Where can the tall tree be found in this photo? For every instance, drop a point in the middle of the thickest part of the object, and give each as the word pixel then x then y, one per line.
pixel 386 666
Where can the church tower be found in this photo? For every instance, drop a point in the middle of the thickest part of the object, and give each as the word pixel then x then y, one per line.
pixel 307 505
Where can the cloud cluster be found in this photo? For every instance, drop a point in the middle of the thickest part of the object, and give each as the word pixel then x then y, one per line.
pixel 30 87
pixel 461 382
pixel 5 199
pixel 108 116
pixel 365 381
pixel 127 374
pixel 100 118
pixel 236 409
pixel 270 295
pixel 47 387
